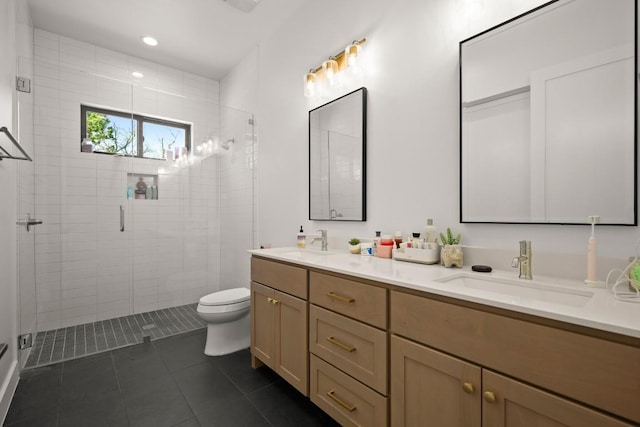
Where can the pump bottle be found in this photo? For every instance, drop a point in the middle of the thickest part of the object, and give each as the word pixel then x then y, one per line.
pixel 302 238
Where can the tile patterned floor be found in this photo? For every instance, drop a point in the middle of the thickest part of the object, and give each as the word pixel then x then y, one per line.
pixel 168 382
pixel 76 341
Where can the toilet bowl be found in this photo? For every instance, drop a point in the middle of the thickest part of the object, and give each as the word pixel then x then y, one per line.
pixel 228 322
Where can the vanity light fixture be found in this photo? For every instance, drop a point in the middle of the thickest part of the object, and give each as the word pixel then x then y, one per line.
pixel 329 72
pixel 150 41
pixel 137 74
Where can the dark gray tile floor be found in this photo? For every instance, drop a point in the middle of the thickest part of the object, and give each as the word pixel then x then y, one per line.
pixel 76 341
pixel 167 382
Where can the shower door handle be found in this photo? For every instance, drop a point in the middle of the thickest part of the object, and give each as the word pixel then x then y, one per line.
pixel 28 221
pixel 121 217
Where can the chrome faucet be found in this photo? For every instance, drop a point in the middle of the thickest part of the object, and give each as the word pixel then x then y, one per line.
pixel 323 238
pixel 524 260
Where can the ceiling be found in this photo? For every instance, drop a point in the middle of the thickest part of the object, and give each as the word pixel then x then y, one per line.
pixel 204 37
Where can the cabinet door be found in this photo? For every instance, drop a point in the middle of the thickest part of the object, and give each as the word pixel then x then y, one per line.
pixel 509 403
pixel 263 328
pixel 292 343
pixel 429 388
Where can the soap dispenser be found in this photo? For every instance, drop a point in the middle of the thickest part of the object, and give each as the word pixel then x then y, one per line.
pixel 429 233
pixel 302 238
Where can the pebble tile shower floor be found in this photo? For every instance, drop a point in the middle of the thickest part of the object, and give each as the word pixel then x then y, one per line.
pixel 76 341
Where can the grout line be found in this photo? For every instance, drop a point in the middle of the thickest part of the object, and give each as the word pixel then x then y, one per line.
pixel 75 340
pixel 174 315
pixel 189 317
pixel 121 339
pixel 174 320
pixel 186 317
pixel 64 343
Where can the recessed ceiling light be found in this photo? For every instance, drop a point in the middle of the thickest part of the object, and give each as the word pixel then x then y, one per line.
pixel 150 41
pixel 243 5
pixel 137 74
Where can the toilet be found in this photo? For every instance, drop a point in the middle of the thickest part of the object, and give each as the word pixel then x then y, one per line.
pixel 228 322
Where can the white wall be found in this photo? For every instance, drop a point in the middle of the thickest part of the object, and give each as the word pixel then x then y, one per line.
pixel 413 124
pixel 8 178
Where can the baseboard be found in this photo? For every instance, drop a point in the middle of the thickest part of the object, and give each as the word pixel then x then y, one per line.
pixel 8 389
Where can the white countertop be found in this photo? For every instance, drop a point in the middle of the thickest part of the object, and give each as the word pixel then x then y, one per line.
pixel 591 307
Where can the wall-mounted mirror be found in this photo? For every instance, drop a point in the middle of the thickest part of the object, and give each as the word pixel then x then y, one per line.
pixel 548 116
pixel 337 147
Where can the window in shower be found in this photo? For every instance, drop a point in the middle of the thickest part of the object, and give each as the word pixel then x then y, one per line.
pixel 129 134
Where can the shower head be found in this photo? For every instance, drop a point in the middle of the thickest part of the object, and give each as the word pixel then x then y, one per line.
pixel 227 144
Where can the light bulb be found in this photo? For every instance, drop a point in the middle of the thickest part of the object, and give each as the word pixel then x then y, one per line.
pixel 309 84
pixel 330 68
pixel 353 57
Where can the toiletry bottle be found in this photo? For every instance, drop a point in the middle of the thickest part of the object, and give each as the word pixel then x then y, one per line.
pixel 86 146
pixel 129 192
pixel 302 238
pixel 376 242
pixel 415 241
pixel 398 238
pixel 430 234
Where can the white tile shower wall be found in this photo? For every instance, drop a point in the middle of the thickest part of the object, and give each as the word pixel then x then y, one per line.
pixel 86 268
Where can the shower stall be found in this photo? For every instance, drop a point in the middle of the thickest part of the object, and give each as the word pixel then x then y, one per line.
pixel 101 253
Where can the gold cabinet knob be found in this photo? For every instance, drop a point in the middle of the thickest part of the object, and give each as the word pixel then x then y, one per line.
pixel 467 387
pixel 489 396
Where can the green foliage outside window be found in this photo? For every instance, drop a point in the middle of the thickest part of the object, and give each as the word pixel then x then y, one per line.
pixel 107 136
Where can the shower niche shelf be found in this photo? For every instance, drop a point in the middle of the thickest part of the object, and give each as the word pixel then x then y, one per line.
pixel 141 186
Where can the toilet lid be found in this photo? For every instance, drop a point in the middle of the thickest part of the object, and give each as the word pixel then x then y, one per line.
pixel 228 296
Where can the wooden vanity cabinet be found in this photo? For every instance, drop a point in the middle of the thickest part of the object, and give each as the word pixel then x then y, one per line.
pixel 373 354
pixel 531 374
pixel 279 326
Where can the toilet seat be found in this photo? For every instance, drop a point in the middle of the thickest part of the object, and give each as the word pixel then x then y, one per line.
pixel 226 297
pixel 225 301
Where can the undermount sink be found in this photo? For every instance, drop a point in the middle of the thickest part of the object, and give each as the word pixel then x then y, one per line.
pixel 521 291
pixel 301 253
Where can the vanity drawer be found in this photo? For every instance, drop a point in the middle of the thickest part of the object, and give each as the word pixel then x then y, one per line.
pixel 358 349
pixel 345 399
pixel 602 373
pixel 286 278
pixel 361 301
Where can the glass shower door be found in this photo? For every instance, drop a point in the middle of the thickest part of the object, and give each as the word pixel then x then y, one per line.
pixel 26 211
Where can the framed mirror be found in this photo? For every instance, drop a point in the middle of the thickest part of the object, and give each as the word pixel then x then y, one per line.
pixel 337 166
pixel 548 116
